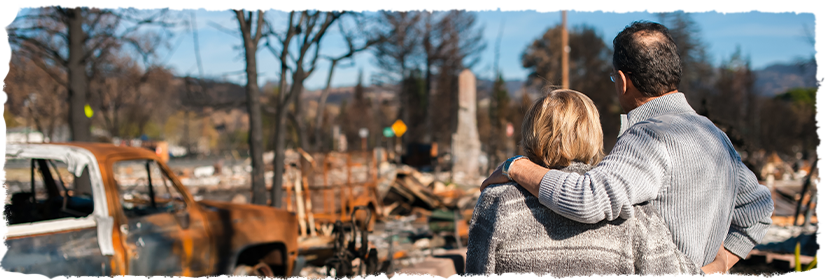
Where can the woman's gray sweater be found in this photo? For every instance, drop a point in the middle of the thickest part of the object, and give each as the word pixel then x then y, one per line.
pixel 512 232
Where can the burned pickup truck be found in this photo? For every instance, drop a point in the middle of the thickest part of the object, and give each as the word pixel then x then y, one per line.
pixel 90 209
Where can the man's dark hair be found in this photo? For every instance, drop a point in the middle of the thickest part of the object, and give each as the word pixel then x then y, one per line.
pixel 648 55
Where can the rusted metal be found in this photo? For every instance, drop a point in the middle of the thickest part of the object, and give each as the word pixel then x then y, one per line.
pixel 328 199
pixel 204 238
pixel 346 252
pixel 72 252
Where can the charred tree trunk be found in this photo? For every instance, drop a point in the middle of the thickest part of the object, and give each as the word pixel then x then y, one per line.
pixel 322 103
pixel 79 124
pixel 255 129
pixel 300 126
pixel 277 192
pixel 280 138
pixel 253 104
pixel 298 76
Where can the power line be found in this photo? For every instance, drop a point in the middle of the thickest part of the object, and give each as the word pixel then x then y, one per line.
pixel 194 27
pixel 498 47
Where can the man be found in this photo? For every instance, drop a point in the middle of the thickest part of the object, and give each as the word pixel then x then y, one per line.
pixel 667 154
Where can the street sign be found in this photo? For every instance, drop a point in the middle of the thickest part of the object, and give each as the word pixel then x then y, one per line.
pixel 388 132
pixel 363 132
pixel 399 128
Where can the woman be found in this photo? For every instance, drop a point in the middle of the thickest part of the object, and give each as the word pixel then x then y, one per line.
pixel 512 232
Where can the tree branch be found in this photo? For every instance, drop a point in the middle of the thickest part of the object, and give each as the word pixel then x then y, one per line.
pixel 51 73
pixel 259 28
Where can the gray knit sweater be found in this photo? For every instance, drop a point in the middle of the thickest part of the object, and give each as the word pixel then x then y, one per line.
pixel 512 232
pixel 682 163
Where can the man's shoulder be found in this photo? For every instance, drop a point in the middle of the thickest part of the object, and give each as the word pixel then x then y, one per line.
pixel 686 131
pixel 665 124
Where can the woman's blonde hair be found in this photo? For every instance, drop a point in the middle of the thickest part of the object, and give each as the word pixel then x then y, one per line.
pixel 562 127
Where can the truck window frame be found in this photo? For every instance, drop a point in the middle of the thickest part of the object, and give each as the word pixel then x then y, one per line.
pixel 77 159
pixel 176 186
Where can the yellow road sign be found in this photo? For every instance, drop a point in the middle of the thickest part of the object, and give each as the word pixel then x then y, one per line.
pixel 399 128
pixel 88 110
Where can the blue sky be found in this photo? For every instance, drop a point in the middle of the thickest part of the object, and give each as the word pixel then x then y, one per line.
pixel 766 38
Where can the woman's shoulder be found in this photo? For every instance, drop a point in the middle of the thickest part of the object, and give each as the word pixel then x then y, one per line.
pixel 511 190
pixel 507 190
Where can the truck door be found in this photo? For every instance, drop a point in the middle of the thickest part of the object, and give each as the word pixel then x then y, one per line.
pixel 52 226
pixel 161 235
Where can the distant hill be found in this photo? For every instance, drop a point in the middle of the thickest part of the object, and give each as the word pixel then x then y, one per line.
pixel 779 78
pixel 485 87
pixel 771 80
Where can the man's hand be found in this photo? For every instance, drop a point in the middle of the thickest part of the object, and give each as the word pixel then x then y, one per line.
pixel 730 258
pixel 717 269
pixel 496 178
pixel 721 264
pixel 524 172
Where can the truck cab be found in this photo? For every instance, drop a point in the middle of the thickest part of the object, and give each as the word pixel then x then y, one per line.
pixel 90 209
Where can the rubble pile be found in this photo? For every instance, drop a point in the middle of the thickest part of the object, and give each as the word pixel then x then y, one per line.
pixel 415 192
pixel 421 217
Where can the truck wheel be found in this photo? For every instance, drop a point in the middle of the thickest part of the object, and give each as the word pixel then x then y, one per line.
pixel 243 270
pixel 261 269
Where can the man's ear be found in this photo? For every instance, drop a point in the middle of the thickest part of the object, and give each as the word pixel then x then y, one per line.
pixel 625 82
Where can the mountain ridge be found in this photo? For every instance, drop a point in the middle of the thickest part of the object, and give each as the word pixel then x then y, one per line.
pixel 771 80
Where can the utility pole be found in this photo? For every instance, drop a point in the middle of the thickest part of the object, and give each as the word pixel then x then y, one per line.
pixel 565 54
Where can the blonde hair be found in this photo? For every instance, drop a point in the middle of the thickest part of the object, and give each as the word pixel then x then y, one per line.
pixel 561 127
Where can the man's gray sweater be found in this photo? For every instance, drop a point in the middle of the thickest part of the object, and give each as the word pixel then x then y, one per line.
pixel 512 232
pixel 682 163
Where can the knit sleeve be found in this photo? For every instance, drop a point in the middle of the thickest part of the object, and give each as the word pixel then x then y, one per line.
pixel 485 233
pixel 632 173
pixel 751 214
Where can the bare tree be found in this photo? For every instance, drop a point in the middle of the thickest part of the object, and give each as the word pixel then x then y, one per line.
pixel 34 95
pixel 397 57
pixel 307 32
pixel 75 39
pixel 123 91
pixel 734 85
pixel 350 36
pixel 420 50
pixel 399 48
pixel 457 44
pixel 356 113
pixel 250 43
pixel 498 114
pixel 697 70
pixel 589 57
